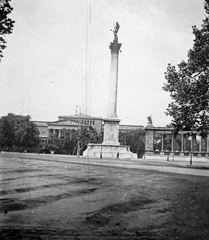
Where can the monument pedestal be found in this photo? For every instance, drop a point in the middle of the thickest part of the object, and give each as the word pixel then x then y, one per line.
pixel 111 131
pixel 110 146
pixel 108 151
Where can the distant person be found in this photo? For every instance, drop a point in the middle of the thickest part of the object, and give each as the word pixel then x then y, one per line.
pixel 117 156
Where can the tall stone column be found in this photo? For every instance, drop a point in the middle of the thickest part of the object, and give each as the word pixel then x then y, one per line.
pixel 111 122
pixel 113 81
pixel 110 147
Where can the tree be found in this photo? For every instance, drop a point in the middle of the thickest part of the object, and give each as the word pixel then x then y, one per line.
pixel 54 143
pixel 6 24
pixel 87 135
pixel 188 84
pixel 18 131
pixel 30 136
pixel 68 142
pixel 135 139
pixel 6 133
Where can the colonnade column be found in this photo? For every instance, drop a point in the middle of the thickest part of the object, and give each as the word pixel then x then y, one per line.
pixel 200 145
pixel 162 145
pixel 182 144
pixel 172 145
pixel 207 139
pixel 172 142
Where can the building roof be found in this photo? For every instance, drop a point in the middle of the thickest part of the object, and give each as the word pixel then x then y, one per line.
pixel 130 127
pixel 82 115
pixel 67 122
pixel 41 123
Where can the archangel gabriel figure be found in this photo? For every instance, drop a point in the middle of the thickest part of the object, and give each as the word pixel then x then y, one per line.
pixel 149 119
pixel 115 31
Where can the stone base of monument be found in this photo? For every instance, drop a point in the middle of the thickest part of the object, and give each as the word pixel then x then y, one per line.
pixel 108 151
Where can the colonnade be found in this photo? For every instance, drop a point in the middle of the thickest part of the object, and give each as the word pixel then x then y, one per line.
pixel 57 132
pixel 186 142
pixel 164 141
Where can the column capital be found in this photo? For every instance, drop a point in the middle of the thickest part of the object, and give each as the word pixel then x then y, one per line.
pixel 115 47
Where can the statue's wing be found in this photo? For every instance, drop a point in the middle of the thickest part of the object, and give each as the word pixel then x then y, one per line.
pixel 117 26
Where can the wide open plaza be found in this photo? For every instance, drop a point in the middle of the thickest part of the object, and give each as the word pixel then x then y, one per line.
pixel 64 197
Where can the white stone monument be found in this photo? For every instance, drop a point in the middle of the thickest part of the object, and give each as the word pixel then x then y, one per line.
pixel 111 148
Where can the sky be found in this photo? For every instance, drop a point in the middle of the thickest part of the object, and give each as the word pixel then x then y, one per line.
pixel 58 56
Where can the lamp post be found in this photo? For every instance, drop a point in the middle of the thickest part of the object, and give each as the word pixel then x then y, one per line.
pixel 101 152
pixel 78 147
pixel 38 147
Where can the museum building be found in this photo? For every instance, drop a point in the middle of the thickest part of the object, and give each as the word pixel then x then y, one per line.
pixel 47 128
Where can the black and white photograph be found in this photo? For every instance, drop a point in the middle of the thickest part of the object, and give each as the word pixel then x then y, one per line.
pixel 104 119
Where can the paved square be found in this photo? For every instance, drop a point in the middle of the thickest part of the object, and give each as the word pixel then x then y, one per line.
pixel 62 197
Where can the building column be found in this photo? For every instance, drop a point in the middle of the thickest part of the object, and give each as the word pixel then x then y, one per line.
pixel 200 146
pixel 182 144
pixel 207 139
pixel 172 146
pixel 162 145
pixel 172 142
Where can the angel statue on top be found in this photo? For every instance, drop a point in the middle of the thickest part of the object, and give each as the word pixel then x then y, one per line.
pixel 115 31
pixel 149 120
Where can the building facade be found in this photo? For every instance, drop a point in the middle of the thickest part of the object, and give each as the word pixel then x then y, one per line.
pixel 95 122
pixel 46 129
pixel 43 130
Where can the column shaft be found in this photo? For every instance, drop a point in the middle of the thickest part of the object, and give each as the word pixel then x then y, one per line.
pixel 162 144
pixel 200 144
pixel 182 144
pixel 172 142
pixel 113 86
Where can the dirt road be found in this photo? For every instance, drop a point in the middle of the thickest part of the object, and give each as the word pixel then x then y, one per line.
pixel 43 199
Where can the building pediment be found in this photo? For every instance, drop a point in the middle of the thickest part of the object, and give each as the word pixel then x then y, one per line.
pixel 64 123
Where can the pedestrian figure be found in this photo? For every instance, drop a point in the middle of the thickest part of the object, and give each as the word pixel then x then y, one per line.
pixel 117 157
